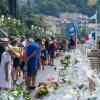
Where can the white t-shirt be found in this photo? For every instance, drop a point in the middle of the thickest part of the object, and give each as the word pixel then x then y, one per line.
pixel 6 57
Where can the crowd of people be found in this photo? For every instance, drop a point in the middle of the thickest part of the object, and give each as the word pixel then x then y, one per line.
pixel 20 55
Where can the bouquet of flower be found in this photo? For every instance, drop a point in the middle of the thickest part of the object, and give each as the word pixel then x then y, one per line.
pixel 44 88
pixel 41 91
pixel 65 61
pixel 18 93
pixel 50 78
pixel 50 85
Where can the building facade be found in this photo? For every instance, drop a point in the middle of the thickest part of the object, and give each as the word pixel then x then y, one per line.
pixel 80 20
pixel 92 28
pixel 53 24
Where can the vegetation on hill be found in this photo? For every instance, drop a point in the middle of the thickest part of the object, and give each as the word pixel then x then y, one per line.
pixel 55 7
pixel 29 12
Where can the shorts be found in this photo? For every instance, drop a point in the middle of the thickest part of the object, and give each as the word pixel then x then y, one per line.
pixel 16 62
pixel 22 65
pixel 43 58
pixel 52 54
pixel 32 68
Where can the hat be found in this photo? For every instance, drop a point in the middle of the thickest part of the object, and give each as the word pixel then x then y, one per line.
pixel 4 40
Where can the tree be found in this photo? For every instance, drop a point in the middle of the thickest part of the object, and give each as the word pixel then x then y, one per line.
pixel 83 33
pixel 4 7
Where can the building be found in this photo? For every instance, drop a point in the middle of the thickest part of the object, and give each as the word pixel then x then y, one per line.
pixel 53 24
pixel 92 28
pixel 80 20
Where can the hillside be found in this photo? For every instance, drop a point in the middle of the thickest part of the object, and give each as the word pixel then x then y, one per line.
pixel 55 7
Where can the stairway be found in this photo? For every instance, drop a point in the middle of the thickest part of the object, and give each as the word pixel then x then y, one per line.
pixel 94 59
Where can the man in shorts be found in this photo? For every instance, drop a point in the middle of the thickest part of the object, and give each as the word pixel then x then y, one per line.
pixel 32 52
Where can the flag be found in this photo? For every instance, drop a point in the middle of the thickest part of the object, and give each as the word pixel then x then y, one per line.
pixel 93 36
pixel 71 28
pixel 86 37
pixel 94 16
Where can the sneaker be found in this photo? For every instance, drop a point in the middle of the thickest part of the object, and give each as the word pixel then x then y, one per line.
pixel 33 87
pixel 14 82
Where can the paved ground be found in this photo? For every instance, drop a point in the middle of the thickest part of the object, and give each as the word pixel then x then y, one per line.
pixel 42 74
pixel 49 70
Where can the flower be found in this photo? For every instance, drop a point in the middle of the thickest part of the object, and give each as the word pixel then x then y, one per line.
pixel 41 91
pixel 50 78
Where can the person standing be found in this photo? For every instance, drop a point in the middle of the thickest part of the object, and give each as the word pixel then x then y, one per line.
pixel 72 43
pixel 16 60
pixel 53 49
pixel 47 45
pixel 32 52
pixel 43 55
pixel 22 43
pixel 5 67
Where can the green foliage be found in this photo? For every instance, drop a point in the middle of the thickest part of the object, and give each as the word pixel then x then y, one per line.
pixel 55 7
pixel 12 26
pixel 52 7
pixel 39 26
pixel 3 7
pixel 83 32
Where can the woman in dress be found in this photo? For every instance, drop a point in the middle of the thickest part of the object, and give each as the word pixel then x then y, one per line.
pixel 5 66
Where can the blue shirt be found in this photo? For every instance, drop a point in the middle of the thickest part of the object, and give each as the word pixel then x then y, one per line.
pixel 31 48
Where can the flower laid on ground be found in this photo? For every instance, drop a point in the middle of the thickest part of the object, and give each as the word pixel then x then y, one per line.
pixel 65 60
pixel 49 84
pixel 19 93
pixel 69 82
pixel 50 78
pixel 41 91
pixel 43 84
pixel 44 88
